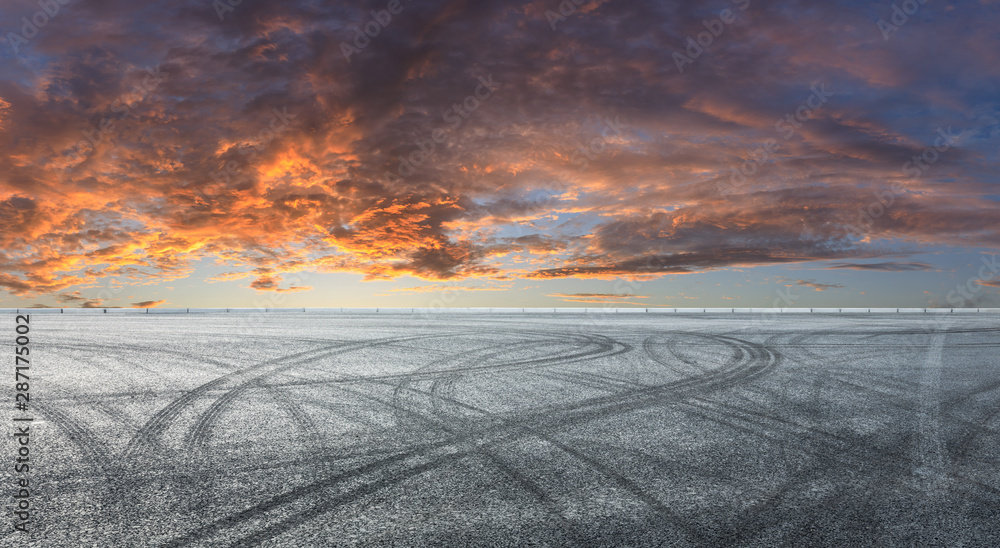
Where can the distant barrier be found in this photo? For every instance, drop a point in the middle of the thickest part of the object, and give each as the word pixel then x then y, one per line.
pixel 166 311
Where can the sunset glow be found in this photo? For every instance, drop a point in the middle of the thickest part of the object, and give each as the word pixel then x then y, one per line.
pixel 485 153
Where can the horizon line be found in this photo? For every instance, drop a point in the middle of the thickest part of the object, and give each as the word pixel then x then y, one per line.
pixel 508 310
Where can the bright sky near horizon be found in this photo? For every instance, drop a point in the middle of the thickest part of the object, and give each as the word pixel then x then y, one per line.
pixel 743 153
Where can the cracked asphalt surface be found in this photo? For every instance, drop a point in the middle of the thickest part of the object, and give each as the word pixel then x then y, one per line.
pixel 514 430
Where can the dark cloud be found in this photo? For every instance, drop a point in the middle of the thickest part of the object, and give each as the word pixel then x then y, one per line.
pixel 73 297
pixel 885 267
pixel 272 283
pixel 13 284
pixel 148 304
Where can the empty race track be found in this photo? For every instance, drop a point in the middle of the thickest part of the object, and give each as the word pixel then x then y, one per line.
pixel 318 429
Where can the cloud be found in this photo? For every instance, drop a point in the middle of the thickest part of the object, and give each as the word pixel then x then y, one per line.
pixel 603 298
pixel 271 283
pixel 13 284
pixel 148 304
pixel 885 267
pixel 442 288
pixel 77 297
pixel 228 277
pixel 71 297
pixel 818 286
pixel 260 146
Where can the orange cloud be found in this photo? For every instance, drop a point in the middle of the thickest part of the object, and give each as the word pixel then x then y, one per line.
pixel 271 283
pixel 819 286
pixel 601 298
pixel 148 304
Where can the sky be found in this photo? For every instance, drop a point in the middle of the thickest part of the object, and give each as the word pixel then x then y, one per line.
pixel 452 153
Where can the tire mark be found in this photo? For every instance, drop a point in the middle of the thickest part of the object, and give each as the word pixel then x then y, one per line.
pixel 96 458
pixel 559 357
pixel 647 347
pixel 89 445
pixel 961 447
pixel 406 382
pixel 898 464
pixel 148 435
pixel 262 508
pixel 327 506
pixel 145 350
pixel 615 477
pixel 198 435
pixel 450 427
pixel 538 423
pixel 825 448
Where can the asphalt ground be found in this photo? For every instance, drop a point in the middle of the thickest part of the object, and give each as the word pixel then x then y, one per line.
pixel 511 430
